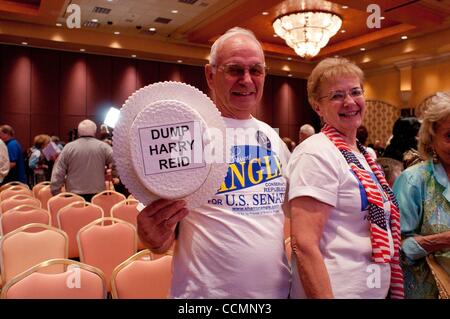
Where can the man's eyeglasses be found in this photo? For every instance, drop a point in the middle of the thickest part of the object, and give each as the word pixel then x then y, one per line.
pixel 238 70
pixel 340 95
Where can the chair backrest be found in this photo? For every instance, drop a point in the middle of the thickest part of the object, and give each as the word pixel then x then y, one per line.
pixel 127 211
pixel 15 190
pixel 20 250
pixel 107 199
pixel 18 200
pixel 106 246
pixel 140 277
pixel 75 281
pixel 38 187
pixel 11 184
pixel 60 200
pixel 15 218
pixel 44 195
pixel 75 216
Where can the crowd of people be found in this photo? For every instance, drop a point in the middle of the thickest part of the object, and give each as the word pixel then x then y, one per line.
pixel 364 222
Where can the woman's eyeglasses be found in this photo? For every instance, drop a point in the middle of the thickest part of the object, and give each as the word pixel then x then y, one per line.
pixel 238 70
pixel 340 95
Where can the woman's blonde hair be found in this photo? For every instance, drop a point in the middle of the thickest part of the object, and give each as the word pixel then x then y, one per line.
pixel 330 69
pixel 437 111
pixel 41 140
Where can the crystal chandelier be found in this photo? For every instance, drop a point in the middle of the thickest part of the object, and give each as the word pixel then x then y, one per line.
pixel 307 32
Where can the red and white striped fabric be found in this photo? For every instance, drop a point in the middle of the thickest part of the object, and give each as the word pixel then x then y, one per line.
pixel 378 226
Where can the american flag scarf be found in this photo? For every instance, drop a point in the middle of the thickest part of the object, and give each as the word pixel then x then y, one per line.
pixel 376 217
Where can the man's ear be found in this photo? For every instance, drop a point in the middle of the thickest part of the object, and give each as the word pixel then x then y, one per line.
pixel 209 75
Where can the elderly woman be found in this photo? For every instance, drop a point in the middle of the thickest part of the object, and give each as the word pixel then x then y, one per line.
pixel 423 193
pixel 345 228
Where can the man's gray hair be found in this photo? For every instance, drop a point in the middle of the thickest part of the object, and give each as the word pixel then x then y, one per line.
pixel 230 33
pixel 87 128
pixel 307 129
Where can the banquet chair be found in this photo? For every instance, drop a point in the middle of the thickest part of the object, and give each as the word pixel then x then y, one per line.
pixel 127 211
pixel 107 199
pixel 141 277
pixel 18 200
pixel 106 246
pixel 15 190
pixel 44 195
pixel 15 218
pixel 11 184
pixel 21 249
pixel 75 216
pixel 75 280
pixel 60 200
pixel 38 187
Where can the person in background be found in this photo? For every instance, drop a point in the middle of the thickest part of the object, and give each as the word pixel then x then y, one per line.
pixel 37 162
pixel 423 192
pixel 81 164
pixel 290 144
pixel 345 222
pixel 4 161
pixel 223 251
pixel 391 168
pixel 362 134
pixel 305 131
pixel 15 153
pixel 55 139
pixel 404 138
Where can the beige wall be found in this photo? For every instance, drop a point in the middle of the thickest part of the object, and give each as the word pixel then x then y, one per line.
pixel 383 86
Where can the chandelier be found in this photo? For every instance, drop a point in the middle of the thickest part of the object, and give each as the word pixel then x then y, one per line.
pixel 308 31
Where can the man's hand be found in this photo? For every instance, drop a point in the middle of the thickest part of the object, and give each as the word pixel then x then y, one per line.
pixel 157 222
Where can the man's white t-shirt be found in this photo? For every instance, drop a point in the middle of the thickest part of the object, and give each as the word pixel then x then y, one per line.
pixel 318 169
pixel 233 246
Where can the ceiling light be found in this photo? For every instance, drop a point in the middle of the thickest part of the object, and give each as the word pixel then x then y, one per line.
pixel 116 32
pixel 275 35
pixel 265 13
pixel 382 18
pixel 152 29
pixel 180 61
pixel 59 24
pixel 82 50
pixel 343 31
pixel 404 37
pixel 290 75
pixel 363 49
pixel 133 55
pixel 344 7
pixel 174 11
pixel 94 20
pixel 25 43
pixel 307 32
pixel 289 58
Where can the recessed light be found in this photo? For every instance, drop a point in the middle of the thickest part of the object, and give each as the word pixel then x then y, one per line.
pixel 265 13
pixel 343 31
pixel 94 20
pixel 344 7
pixel 336 56
pixel 174 11
pixel 180 61
pixel 59 24
pixel 133 55
pixel 290 75
pixel 116 32
pixel 382 18
pixel 25 43
pixel 289 58
pixel 82 50
pixel 152 29
pixel 275 35
pixel 363 49
pixel 404 37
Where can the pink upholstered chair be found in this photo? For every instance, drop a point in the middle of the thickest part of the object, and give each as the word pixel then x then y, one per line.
pixel 11 184
pixel 107 199
pixel 106 246
pixel 75 216
pixel 15 190
pixel 20 249
pixel 18 200
pixel 15 218
pixel 44 195
pixel 127 211
pixel 75 281
pixel 38 187
pixel 60 200
pixel 141 277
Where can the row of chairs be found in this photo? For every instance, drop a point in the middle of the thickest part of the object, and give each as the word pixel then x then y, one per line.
pixel 110 249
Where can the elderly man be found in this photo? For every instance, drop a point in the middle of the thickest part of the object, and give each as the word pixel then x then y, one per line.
pixel 81 164
pixel 223 250
pixel 4 161
pixel 305 131
pixel 15 153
